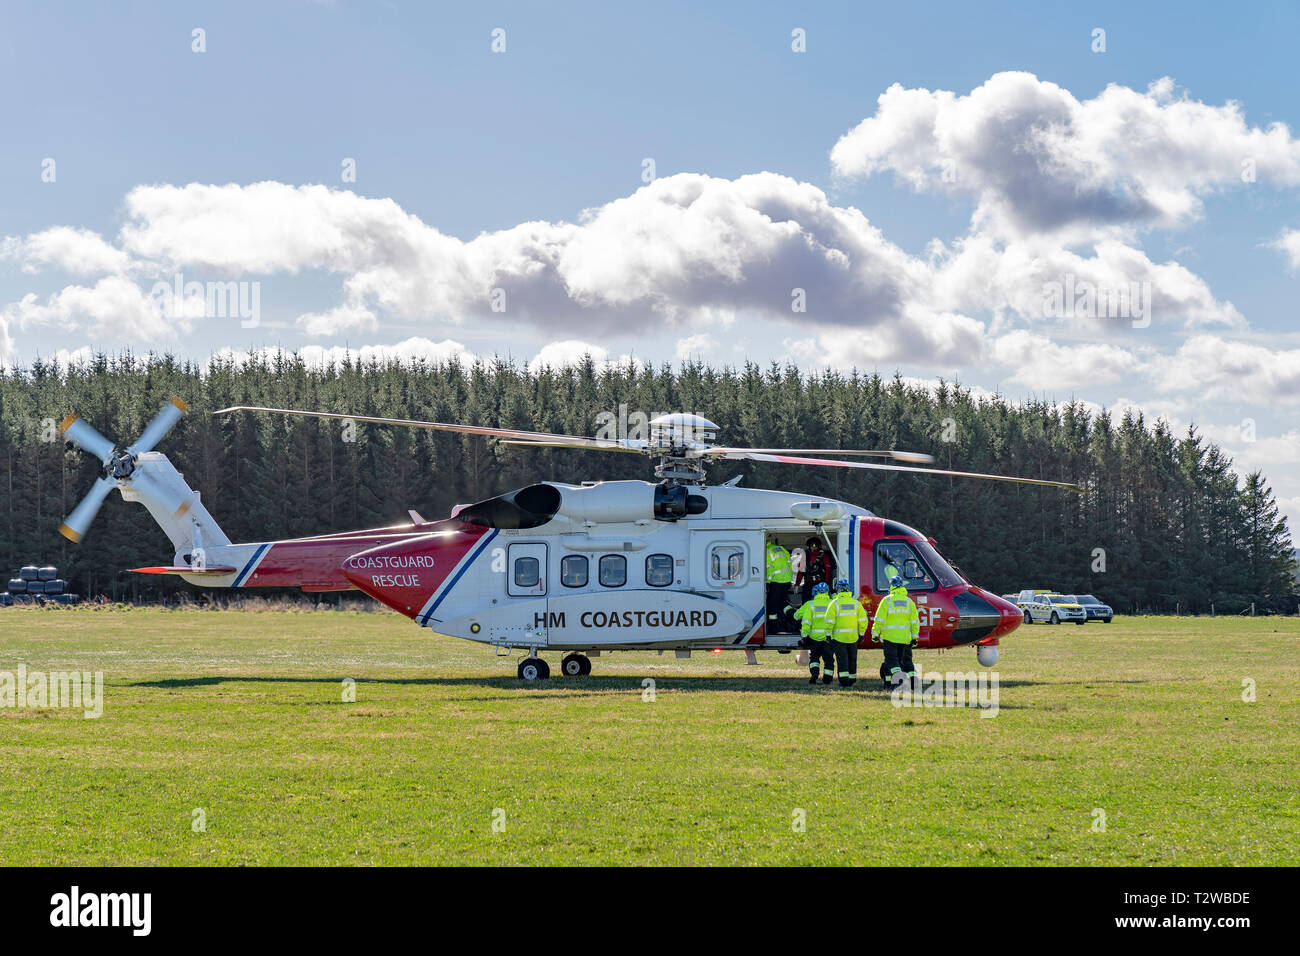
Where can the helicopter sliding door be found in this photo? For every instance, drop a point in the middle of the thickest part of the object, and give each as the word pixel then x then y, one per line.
pixel 527 576
pixel 728 564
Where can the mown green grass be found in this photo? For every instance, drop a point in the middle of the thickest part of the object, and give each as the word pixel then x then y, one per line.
pixel 241 714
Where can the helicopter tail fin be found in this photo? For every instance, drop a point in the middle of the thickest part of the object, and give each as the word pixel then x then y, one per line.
pixel 174 505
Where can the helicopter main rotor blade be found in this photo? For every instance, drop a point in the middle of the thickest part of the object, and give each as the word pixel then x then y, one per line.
pixel 84 436
pixel 589 444
pixel 524 436
pixel 827 462
pixel 915 457
pixel 76 525
pixel 157 429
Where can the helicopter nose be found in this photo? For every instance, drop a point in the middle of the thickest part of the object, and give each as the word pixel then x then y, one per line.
pixel 981 614
pixel 1012 616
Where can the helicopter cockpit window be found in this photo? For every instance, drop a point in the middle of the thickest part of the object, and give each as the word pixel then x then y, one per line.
pixel 659 570
pixel 613 570
pixel 947 575
pixel 902 556
pixel 573 571
pixel 528 572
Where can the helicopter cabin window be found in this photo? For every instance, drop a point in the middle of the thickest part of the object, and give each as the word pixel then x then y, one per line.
pixel 659 570
pixel 573 571
pixel 902 557
pixel 613 570
pixel 528 571
pixel 727 564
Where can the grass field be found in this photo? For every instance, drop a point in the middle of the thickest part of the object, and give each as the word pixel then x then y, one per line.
pixel 241 715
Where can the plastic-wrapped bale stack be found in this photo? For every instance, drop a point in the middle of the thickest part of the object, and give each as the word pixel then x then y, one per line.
pixel 35 585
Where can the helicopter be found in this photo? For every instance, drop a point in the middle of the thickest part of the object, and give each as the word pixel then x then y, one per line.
pixel 579 569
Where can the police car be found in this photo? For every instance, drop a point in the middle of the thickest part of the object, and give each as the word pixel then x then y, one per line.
pixel 1048 607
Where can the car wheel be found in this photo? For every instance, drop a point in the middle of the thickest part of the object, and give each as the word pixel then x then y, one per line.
pixel 1028 619
pixel 1055 618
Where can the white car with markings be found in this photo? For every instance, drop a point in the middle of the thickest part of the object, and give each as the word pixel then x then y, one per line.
pixel 1048 607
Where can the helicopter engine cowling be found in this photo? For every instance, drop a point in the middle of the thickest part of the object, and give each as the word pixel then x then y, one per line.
pixel 607 502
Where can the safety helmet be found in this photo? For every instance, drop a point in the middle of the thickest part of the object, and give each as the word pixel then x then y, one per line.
pixel 820 588
pixel 897 581
pixel 842 584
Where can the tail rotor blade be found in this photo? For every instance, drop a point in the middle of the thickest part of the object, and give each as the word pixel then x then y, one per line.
pixel 157 429
pixel 83 435
pixel 75 526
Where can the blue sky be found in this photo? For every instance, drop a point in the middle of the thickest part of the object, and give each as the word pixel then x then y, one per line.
pixel 471 142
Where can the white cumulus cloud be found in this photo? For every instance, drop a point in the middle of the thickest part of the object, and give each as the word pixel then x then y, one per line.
pixel 1038 362
pixel 1288 243
pixel 1037 159
pixel 73 250
pixel 1227 370
pixel 114 307
pixel 415 349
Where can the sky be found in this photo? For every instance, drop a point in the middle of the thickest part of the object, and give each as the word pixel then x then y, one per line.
pixel 1096 202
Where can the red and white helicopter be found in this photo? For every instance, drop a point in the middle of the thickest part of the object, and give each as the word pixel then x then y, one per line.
pixel 576 568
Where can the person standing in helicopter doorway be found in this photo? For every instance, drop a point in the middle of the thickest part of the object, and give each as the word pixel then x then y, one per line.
pixel 818 567
pixel 779 577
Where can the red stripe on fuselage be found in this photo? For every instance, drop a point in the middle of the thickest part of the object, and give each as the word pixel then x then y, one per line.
pixel 316 564
pixel 405 574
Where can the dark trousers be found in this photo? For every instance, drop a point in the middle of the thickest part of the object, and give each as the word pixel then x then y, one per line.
pixel 820 655
pixel 778 596
pixel 846 661
pixel 898 659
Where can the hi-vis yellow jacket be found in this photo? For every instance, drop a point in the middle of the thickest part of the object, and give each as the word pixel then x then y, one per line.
pixel 778 564
pixel 897 620
pixel 812 617
pixel 846 619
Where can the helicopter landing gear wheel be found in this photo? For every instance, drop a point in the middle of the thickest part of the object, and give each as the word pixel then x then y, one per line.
pixel 1028 619
pixel 575 665
pixel 533 669
pixel 1056 618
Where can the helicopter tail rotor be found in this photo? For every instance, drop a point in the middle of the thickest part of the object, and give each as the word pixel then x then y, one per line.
pixel 119 466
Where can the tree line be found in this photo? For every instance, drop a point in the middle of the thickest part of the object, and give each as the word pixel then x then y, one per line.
pixel 1165 522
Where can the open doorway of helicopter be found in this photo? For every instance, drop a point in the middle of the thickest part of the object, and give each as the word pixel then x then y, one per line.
pixel 803 558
